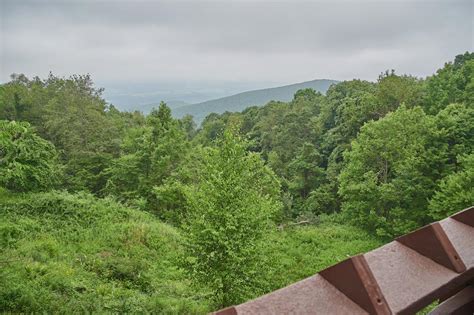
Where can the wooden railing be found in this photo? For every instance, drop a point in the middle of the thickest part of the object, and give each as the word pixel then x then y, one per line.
pixel 434 263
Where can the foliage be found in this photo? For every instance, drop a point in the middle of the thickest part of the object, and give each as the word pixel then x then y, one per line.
pixel 229 214
pixel 304 140
pixel 390 172
pixel 394 90
pixel 170 198
pixel 27 162
pixel 454 83
pixel 63 253
pixel 73 253
pixel 150 155
pixel 188 125
pixel 455 192
pixel 455 124
pixel 305 174
pixel 72 115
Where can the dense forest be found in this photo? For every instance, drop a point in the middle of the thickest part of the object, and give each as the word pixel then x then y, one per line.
pixel 104 210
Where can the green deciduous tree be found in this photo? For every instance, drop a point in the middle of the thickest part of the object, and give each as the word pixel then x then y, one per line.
pixel 455 124
pixel 27 162
pixel 305 175
pixel 394 90
pixel 71 113
pixel 455 192
pixel 170 198
pixel 391 172
pixel 76 120
pixel 150 154
pixel 454 83
pixel 230 212
pixel 188 125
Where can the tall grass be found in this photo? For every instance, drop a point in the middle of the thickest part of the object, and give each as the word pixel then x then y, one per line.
pixel 71 253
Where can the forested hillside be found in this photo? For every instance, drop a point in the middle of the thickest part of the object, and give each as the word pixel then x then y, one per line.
pixel 238 102
pixel 110 211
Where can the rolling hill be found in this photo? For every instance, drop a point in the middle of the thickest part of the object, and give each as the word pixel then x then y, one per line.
pixel 239 102
pixel 146 108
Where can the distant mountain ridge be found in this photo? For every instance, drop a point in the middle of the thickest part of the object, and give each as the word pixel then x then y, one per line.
pixel 240 101
pixel 173 104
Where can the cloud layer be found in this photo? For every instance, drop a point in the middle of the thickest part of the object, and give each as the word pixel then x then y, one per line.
pixel 232 41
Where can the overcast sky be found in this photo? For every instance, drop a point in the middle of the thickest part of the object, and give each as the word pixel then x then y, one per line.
pixel 240 43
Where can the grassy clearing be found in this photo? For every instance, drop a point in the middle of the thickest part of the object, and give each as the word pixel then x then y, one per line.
pixel 65 253
pixel 300 252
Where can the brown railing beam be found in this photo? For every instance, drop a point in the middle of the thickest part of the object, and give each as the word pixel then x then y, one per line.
pixel 431 241
pixel 354 278
pixel 460 304
pixel 466 216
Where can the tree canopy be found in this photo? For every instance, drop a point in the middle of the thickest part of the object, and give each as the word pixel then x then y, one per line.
pixel 27 162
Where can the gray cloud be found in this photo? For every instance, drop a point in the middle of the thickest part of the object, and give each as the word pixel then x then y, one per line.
pixel 232 41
